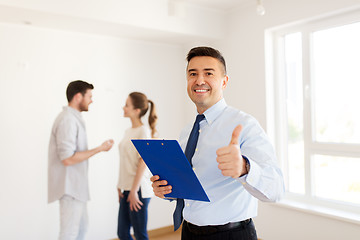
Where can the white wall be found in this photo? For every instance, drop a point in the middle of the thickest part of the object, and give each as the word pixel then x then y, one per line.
pixel 276 222
pixel 36 66
pixel 244 52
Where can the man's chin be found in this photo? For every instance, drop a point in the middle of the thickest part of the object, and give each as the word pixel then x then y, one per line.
pixel 200 104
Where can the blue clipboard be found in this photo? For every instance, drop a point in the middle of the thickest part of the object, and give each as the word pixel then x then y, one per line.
pixel 166 159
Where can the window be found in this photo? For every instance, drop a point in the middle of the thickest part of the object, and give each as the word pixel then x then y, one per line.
pixel 316 92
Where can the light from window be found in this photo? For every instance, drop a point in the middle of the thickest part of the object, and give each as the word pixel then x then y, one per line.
pixel 337 178
pixel 294 109
pixel 317 95
pixel 336 78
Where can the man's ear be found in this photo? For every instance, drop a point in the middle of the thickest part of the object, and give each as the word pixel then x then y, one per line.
pixel 225 81
pixel 78 97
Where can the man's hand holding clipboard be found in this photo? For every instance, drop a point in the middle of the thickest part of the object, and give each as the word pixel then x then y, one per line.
pixel 167 163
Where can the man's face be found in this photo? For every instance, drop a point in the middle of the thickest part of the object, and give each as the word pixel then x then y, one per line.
pixel 86 101
pixel 206 81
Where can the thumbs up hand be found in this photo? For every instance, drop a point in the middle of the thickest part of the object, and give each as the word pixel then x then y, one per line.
pixel 231 162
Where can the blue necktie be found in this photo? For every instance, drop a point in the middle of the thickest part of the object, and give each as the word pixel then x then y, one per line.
pixel 189 152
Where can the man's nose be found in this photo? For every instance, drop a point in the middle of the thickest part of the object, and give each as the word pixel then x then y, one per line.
pixel 200 80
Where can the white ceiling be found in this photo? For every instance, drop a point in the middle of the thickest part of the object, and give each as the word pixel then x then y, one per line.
pixel 140 19
pixel 218 4
pixel 214 4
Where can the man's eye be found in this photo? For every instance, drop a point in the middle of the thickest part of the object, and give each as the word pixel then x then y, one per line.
pixel 209 74
pixel 192 74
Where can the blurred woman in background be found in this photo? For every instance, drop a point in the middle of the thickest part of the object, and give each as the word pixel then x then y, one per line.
pixel 134 184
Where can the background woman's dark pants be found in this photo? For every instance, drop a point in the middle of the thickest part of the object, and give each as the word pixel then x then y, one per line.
pixel 127 218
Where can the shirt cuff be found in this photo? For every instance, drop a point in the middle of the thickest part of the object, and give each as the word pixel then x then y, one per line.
pixel 253 175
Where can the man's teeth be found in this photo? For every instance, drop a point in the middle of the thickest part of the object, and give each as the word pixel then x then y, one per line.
pixel 201 90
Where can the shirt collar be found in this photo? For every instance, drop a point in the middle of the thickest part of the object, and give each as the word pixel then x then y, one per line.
pixel 73 111
pixel 214 111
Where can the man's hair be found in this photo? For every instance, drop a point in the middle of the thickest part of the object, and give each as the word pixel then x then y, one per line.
pixel 75 87
pixel 206 52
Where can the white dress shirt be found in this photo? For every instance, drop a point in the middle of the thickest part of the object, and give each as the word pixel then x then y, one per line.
pixel 231 200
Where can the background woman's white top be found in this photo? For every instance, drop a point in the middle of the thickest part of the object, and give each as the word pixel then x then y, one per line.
pixel 129 160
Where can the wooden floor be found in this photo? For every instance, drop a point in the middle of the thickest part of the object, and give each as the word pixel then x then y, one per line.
pixel 165 233
pixel 168 236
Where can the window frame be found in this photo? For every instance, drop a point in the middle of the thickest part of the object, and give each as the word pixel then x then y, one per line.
pixel 277 119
